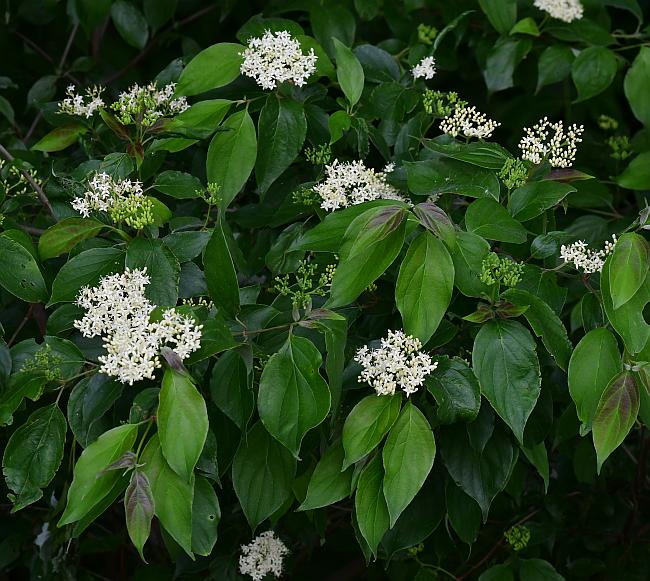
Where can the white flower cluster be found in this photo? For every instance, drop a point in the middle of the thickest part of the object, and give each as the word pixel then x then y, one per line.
pixel 566 10
pixel 275 58
pixel 118 311
pixel 397 363
pixel 350 182
pixel 104 193
pixel 148 104
pixel 86 107
pixel 547 140
pixel 584 258
pixel 425 69
pixel 262 556
pixel 468 122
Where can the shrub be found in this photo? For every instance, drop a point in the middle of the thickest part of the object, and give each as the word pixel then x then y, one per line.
pixel 358 290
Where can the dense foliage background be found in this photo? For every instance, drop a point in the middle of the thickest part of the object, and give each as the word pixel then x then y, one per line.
pixel 537 410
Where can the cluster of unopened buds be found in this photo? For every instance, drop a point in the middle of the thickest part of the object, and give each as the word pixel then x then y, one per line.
pixel 276 58
pixel 583 258
pixel 396 363
pixel 550 141
pixel 351 182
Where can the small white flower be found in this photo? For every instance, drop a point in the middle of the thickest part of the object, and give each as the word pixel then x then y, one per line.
pixel 547 140
pixel 75 104
pixel 351 182
pixel 118 311
pixel 585 259
pixel 104 193
pixel 262 556
pixel 425 69
pixel 566 10
pixel 398 363
pixel 468 122
pixel 275 58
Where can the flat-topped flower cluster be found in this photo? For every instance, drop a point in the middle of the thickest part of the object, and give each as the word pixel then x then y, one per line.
pixel 566 10
pixel 468 122
pixel 118 311
pixel 350 182
pixel 397 363
pixel 550 141
pixel 584 258
pixel 276 57
pixel 262 556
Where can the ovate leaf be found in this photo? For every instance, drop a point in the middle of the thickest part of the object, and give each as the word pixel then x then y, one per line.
pixel 214 67
pixel 65 235
pixel 370 505
pixel 349 72
pixel 615 415
pixel 20 274
pixel 637 86
pixel 182 422
pixel 139 510
pixel 293 397
pixel 220 274
pixel 628 267
pixel 505 361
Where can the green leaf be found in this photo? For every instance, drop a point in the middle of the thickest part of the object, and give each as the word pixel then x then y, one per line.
pixel 20 274
pixel 85 269
pixel 33 455
pixel 215 338
pixel 545 323
pixel 130 23
pixel 594 363
pixel 424 286
pixel 468 252
pixel 538 457
pixel 206 514
pixel 529 201
pixel 507 368
pixel 370 245
pixel 60 138
pixel 214 67
pixel 262 474
pixel 157 12
pixel 89 400
pixel 441 175
pixel 636 176
pixel 463 512
pixel 349 72
pixel 480 471
pixel 201 120
pixel 498 573
pixel 628 267
pixel 538 570
pixel 502 60
pixel 328 483
pixel 293 398
pixel 282 128
pixel 615 415
pixel 231 388
pixel 182 422
pixel 370 505
pixel 480 153
pixel 554 65
pixel 367 424
pixel 637 86
pixel 139 509
pixel 408 456
pixel 220 274
pixel 502 14
pixel 173 496
pixel 526 26
pixel 231 156
pixel 489 219
pixel 593 71
pixel 455 389
pixel 90 484
pixel 65 235
pixel 628 319
pixel 162 267
pixel 178 184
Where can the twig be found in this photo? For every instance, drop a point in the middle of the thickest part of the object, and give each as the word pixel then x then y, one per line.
pixel 39 191
pixel 28 315
pixel 68 45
